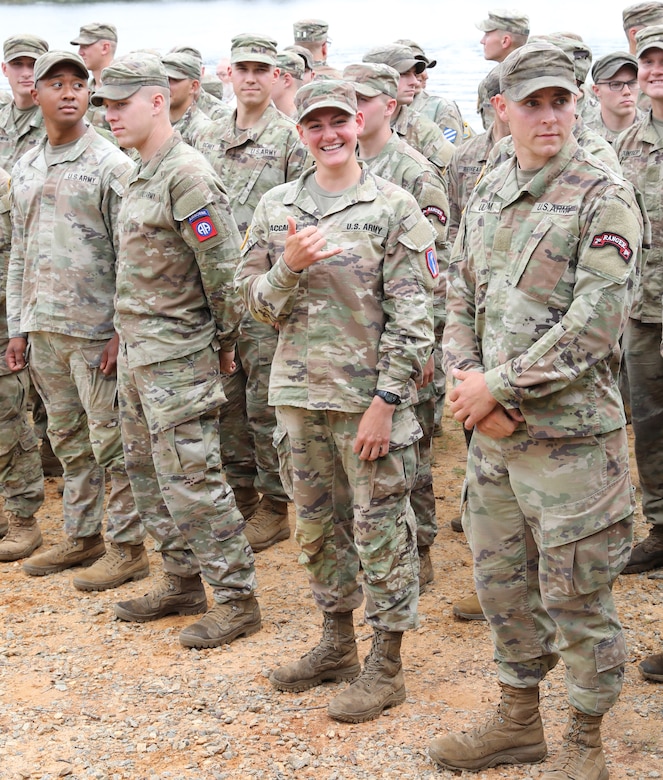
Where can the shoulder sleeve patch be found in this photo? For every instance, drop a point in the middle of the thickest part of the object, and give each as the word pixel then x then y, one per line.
pixel 613 242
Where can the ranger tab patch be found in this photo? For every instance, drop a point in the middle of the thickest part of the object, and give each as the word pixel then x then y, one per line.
pixel 202 225
pixel 431 262
pixel 613 239
pixel 436 211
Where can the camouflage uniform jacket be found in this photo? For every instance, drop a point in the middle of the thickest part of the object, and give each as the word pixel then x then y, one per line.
pixel 5 244
pixel 444 113
pixel 464 170
pixel 357 321
pixel 540 283
pixel 12 144
pixel 598 126
pixel 251 162
pixel 62 268
pixel 425 136
pixel 212 107
pixel 640 151
pixel 178 250
pixel 193 122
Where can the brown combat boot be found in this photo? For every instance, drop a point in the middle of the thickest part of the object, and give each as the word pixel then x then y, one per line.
pixel 582 752
pixel 513 735
pixel 4 524
pixel 22 539
pixel 647 554
pixel 121 563
pixel 334 658
pixel 268 525
pixel 247 500
pixel 223 623
pixel 70 552
pixel 469 608
pixel 171 595
pixel 426 574
pixel 652 667
pixel 380 684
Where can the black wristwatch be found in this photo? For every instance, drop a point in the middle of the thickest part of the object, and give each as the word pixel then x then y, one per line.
pixel 387 397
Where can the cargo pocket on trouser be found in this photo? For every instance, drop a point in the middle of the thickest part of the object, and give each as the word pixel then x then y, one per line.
pixel 282 446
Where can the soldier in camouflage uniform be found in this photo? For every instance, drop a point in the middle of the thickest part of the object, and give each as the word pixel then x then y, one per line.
pixel 540 283
pixel 389 157
pixel 291 77
pixel 344 263
pixel 419 131
pixel 212 106
pixel 61 283
pixel 255 149
pixel 307 57
pixel 640 150
pixel 503 32
pixel 184 72
pixel 615 78
pixel 177 317
pixel 97 44
pixel 21 479
pixel 635 18
pixel 311 34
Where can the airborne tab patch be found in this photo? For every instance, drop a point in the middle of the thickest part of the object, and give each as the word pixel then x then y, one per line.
pixel 202 225
pixel 613 239
pixel 431 262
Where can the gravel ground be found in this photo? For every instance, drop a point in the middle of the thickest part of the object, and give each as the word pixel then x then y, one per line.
pixel 83 695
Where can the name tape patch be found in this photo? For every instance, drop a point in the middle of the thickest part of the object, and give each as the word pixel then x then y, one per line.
pixel 202 225
pixel 613 239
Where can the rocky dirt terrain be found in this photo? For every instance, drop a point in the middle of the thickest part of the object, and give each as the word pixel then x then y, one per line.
pixel 83 695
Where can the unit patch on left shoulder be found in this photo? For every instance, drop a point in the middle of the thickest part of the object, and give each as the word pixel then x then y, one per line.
pixel 202 225
pixel 613 239
pixel 435 211
pixel 431 262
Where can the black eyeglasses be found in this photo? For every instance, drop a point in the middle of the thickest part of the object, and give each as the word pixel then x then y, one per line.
pixel 618 86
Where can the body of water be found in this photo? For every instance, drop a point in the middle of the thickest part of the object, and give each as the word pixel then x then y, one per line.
pixel 446 31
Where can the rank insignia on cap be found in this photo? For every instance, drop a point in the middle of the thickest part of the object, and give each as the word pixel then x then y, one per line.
pixel 431 262
pixel 202 225
pixel 436 211
pixel 613 239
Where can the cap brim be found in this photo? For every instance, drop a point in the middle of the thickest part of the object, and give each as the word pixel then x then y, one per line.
pixel 264 58
pixel 614 67
pixel 172 73
pixel 366 90
pixel 485 26
pixel 31 54
pixel 657 44
pixel 83 41
pixel 327 104
pixel 521 91
pixel 114 92
pixel 68 60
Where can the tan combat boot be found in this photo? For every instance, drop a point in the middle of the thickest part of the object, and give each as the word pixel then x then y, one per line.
pixel 582 752
pixel 380 685
pixel 223 623
pixel 4 524
pixel 171 595
pixel 121 563
pixel 513 735
pixel 247 500
pixel 268 525
pixel 651 668
pixel 22 539
pixel 71 552
pixel 334 658
pixel 469 608
pixel 426 574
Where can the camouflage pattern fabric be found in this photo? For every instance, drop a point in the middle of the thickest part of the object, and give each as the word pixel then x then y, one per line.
pixel 444 113
pixel 425 136
pixel 19 132
pixel 596 124
pixel 213 107
pixel 192 123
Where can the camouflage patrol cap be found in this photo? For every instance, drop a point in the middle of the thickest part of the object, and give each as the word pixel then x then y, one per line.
pixel 419 53
pixel 289 62
pixel 642 15
pixel 23 46
pixel 127 75
pixel 535 66
pixel 373 78
pixel 253 48
pixel 310 31
pixel 648 38
pixel 190 50
pixel 606 67
pixel 489 86
pixel 96 31
pixel 401 58
pixel 213 85
pixel 501 19
pixel 46 62
pixel 325 93
pixel 305 54
pixel 573 45
pixel 179 65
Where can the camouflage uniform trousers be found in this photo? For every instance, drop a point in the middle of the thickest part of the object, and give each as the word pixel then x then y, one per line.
pixel 169 413
pixel 550 525
pixel 84 431
pixel 21 479
pixel 379 535
pixel 644 368
pixel 247 420
pixel 422 497
pixel 439 383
